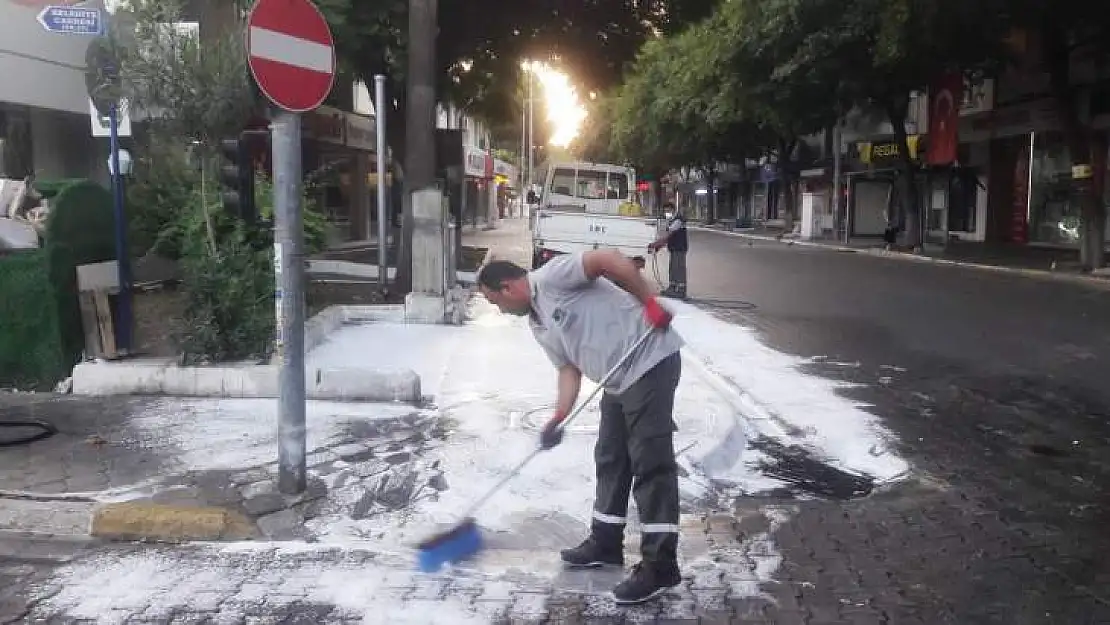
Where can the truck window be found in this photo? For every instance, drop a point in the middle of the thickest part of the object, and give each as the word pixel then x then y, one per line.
pixel 618 186
pixel 562 181
pixel 591 185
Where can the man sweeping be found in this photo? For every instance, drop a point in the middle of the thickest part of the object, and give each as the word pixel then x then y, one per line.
pixel 677 244
pixel 587 310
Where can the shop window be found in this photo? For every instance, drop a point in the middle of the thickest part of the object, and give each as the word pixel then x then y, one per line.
pixel 1054 213
pixel 963 197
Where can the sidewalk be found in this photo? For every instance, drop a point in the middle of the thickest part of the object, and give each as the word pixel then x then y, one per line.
pixel 509 239
pixel 1019 260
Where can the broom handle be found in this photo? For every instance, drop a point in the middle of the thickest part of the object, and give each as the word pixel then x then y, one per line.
pixel 573 414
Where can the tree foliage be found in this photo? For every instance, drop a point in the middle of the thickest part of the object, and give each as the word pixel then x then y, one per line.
pixel 480 51
pixel 758 75
pixel 183 89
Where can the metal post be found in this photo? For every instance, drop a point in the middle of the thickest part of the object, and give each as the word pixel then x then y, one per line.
pixel 836 180
pixel 382 159
pixel 531 130
pixel 123 256
pixel 289 266
pixel 523 150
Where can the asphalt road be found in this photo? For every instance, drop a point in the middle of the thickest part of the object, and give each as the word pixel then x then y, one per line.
pixel 1003 407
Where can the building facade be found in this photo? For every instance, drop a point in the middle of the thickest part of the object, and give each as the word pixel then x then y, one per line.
pixel 45 125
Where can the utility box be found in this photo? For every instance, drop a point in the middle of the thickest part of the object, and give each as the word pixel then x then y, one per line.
pixel 813 216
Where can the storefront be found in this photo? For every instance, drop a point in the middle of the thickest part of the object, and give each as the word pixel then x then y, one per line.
pixel 873 185
pixel 506 179
pixel 338 152
pixel 1053 211
pixel 478 174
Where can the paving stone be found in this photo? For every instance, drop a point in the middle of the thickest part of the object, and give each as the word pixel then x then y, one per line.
pixel 429 589
pixel 282 525
pixel 264 504
pixel 528 607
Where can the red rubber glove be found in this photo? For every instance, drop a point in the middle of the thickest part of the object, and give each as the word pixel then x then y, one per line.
pixel 552 433
pixel 656 315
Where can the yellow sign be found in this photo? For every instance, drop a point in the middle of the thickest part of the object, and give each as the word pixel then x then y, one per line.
pixel 870 152
pixel 1082 172
pixel 372 179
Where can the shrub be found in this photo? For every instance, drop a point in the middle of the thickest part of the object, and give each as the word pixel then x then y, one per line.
pixel 161 190
pixel 80 230
pixel 229 287
pixel 315 223
pixel 31 354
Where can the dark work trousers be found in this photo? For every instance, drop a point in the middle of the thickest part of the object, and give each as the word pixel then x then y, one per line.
pixel 635 451
pixel 677 271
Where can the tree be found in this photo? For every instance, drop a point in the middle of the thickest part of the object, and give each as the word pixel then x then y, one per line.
pixel 685 102
pixel 784 103
pixel 183 89
pixel 881 51
pixel 1053 37
pixel 594 142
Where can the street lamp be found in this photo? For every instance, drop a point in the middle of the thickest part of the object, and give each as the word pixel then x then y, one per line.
pixel 126 165
pixel 123 318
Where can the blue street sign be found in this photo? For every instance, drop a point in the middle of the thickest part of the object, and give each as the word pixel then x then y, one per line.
pixel 72 20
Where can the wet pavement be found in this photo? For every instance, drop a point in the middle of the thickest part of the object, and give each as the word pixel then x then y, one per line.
pixel 995 387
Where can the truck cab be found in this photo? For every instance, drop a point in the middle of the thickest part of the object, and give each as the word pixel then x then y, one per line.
pixel 590 206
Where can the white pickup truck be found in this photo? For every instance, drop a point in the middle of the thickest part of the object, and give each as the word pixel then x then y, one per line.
pixel 586 206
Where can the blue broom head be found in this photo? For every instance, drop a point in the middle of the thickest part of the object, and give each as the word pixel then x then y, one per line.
pixel 456 545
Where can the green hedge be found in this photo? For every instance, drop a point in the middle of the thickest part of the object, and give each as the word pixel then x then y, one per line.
pixel 31 354
pixel 79 231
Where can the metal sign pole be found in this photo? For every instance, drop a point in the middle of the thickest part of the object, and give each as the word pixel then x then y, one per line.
pixel 836 193
pixel 289 267
pixel 123 256
pixel 383 161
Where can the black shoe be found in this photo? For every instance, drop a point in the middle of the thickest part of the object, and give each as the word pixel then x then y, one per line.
pixel 646 582
pixel 593 554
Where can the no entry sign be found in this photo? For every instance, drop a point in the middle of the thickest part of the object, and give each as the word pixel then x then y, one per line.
pixel 291 53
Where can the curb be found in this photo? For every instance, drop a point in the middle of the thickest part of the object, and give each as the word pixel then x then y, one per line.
pixel 171 524
pixel 247 380
pixel 1089 281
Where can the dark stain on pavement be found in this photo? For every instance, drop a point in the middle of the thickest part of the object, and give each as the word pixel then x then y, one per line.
pixel 806 475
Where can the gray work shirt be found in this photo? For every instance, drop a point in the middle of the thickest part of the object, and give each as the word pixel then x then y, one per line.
pixel 591 324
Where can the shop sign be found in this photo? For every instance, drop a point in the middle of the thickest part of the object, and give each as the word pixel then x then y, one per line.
pixel 361 134
pixel 1011 121
pixel 887 153
pixel 475 165
pixel 501 168
pixel 325 124
pixel 977 98
pixel 768 173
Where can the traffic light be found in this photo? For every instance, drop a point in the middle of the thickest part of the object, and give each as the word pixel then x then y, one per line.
pixel 237 178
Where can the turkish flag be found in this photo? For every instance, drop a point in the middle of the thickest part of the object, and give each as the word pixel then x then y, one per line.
pixel 944 119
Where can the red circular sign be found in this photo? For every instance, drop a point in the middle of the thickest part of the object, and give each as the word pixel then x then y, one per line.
pixel 291 53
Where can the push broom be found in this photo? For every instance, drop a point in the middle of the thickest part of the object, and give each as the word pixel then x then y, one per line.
pixel 465 540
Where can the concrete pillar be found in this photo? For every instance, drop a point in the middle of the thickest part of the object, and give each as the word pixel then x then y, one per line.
pixel 494 214
pixel 360 197
pixel 428 300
